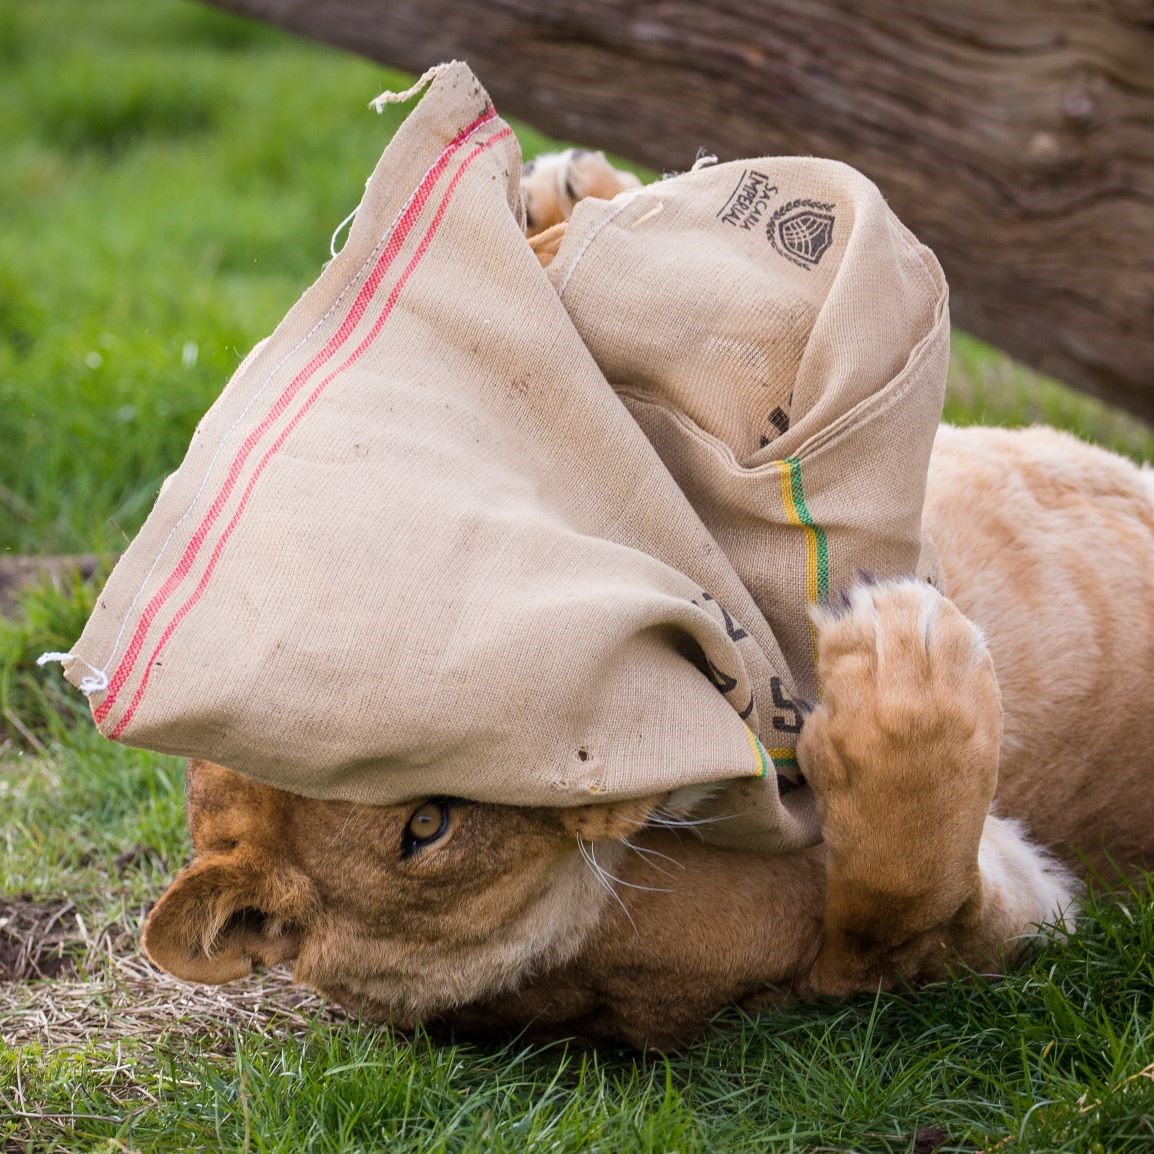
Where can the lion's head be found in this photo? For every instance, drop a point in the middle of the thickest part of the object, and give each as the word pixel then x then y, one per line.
pixel 399 911
pixel 593 922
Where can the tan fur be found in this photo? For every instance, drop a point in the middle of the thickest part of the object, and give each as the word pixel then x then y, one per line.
pixel 552 185
pixel 546 244
pixel 1047 543
pixel 508 921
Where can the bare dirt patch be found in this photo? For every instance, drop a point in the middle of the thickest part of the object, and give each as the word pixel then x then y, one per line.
pixel 38 939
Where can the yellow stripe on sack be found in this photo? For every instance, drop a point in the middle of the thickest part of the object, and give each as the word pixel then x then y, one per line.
pixel 758 752
pixel 816 548
pixel 785 476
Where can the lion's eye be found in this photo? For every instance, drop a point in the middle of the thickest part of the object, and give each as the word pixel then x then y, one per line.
pixel 426 824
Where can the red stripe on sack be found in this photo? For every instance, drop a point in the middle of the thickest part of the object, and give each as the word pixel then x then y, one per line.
pixel 352 319
pixel 379 324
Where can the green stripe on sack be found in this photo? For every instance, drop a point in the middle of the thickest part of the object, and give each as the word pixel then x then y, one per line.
pixel 819 570
pixel 762 759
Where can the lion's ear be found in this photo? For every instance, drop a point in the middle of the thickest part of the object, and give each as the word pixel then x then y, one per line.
pixel 227 911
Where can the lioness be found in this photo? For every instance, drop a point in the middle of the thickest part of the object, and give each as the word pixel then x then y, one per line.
pixel 614 922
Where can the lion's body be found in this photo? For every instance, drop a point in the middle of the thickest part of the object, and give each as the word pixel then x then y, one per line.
pixel 601 923
pixel 1048 543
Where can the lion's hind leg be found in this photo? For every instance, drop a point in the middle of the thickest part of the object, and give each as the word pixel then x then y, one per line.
pixel 902 754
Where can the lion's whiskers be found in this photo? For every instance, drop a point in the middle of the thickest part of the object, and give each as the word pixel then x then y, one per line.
pixel 663 819
pixel 609 878
pixel 355 811
pixel 602 877
pixel 669 817
pixel 646 853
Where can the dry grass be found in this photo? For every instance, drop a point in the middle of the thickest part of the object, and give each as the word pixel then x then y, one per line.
pixel 103 989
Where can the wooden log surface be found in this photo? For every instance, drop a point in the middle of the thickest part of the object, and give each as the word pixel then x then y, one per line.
pixel 1017 139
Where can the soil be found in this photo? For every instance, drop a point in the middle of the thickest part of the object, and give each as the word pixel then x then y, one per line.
pixel 38 939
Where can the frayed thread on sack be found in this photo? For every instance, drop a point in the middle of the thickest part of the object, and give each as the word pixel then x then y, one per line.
pixel 378 103
pixel 96 683
pixel 705 159
pixel 338 230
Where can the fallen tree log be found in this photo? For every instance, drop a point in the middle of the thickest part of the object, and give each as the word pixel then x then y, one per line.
pixel 1016 139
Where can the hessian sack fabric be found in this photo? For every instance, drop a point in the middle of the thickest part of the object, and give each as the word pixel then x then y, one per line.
pixel 462 526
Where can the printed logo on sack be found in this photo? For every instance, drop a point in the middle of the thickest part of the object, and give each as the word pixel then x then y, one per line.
pixel 749 201
pixel 802 231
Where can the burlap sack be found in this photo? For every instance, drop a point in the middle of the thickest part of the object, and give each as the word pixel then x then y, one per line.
pixel 783 341
pixel 420 547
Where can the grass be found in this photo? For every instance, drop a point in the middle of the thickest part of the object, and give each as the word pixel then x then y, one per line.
pixel 170 179
pixel 170 182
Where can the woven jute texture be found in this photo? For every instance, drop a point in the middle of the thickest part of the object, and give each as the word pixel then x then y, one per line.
pixel 461 526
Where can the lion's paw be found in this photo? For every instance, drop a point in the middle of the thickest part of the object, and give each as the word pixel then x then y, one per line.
pixel 902 752
pixel 554 183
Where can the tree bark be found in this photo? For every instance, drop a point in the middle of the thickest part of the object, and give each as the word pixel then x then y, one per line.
pixel 1016 139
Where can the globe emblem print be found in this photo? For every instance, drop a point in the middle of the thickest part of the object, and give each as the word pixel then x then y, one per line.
pixel 802 231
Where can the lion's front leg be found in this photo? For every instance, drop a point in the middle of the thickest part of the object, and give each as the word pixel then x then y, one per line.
pixel 902 754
